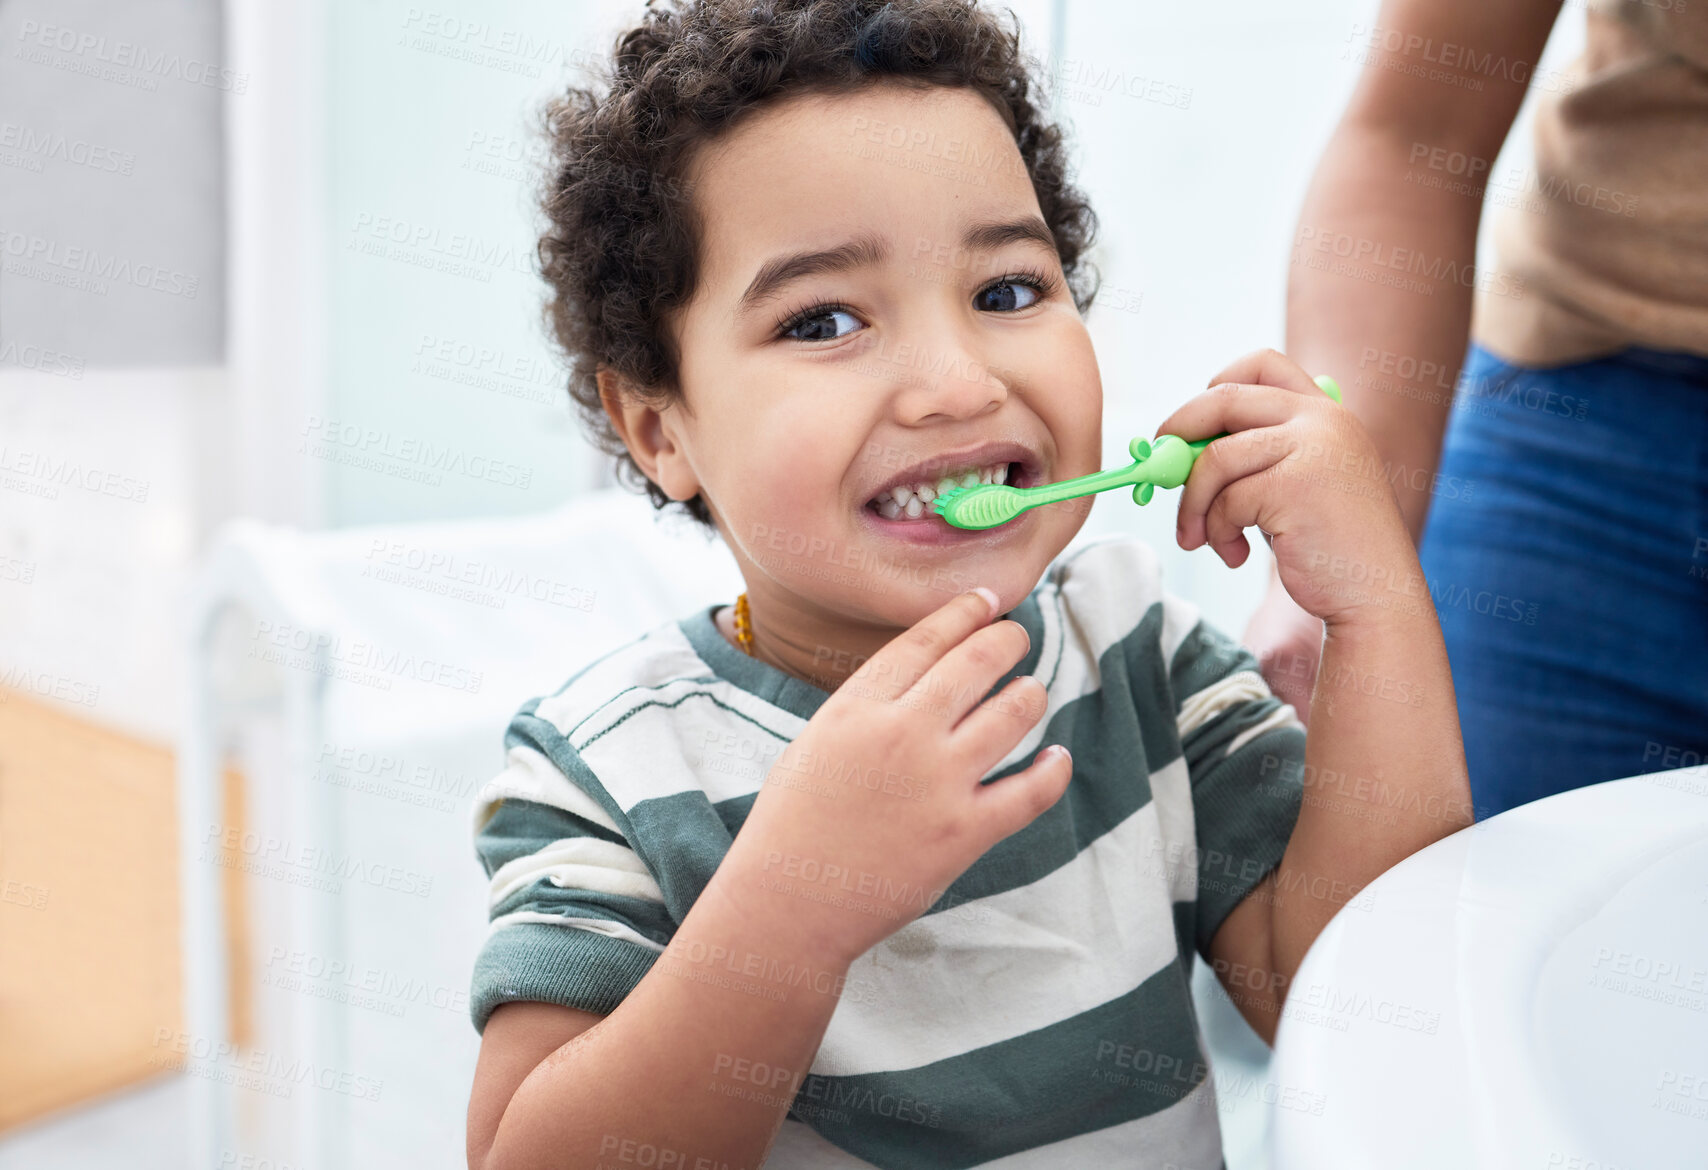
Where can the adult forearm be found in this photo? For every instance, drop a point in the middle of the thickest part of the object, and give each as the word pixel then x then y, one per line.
pixel 1379 293
pixel 1384 770
pixel 699 1063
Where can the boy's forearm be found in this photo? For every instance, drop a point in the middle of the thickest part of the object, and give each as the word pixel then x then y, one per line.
pixel 700 1061
pixel 1384 764
pixel 1395 351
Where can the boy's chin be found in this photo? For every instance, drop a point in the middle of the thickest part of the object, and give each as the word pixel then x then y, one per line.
pixel 904 604
pixel 885 583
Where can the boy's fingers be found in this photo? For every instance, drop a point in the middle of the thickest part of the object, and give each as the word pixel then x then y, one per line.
pixel 1236 508
pixel 964 676
pixel 1230 406
pixel 1222 463
pixel 1001 721
pixel 1014 802
pixel 1268 367
pixel 905 658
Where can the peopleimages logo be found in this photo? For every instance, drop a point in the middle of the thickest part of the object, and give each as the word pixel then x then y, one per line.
pixel 41 473
pixel 428 245
pixel 258 852
pixel 446 573
pixel 46 144
pixel 263 1070
pixel 47 361
pixel 36 40
pixel 366 662
pixel 49 685
pixel 376 447
pixel 1359 251
pixel 1457 64
pixel 89 268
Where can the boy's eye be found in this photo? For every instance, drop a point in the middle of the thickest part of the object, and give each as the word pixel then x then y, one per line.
pixel 1005 297
pixel 821 325
pixel 830 322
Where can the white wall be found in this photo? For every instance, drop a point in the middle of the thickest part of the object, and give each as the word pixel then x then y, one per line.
pixel 434 316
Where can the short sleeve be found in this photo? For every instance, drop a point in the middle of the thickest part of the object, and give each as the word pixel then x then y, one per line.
pixel 1245 753
pixel 577 918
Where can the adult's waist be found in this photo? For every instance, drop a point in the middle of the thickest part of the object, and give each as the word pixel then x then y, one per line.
pixel 1605 237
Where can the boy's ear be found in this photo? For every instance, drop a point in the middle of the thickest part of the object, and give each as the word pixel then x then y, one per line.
pixel 652 435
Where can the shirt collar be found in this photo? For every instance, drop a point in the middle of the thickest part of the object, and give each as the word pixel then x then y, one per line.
pixel 802 698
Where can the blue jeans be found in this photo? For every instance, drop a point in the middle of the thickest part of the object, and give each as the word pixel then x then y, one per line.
pixel 1567 555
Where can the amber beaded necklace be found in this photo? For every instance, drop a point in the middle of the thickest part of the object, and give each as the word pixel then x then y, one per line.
pixel 743 626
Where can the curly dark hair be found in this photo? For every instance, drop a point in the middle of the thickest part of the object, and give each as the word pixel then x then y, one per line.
pixel 621 248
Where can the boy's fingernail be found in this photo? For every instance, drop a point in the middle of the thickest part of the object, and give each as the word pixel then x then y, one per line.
pixel 990 597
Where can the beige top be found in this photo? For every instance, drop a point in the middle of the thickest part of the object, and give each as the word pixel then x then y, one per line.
pixel 1609 234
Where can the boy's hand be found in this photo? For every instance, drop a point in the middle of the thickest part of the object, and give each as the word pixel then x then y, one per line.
pixel 875 808
pixel 1301 469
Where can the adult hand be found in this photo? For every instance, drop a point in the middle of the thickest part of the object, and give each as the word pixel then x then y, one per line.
pixel 1288 643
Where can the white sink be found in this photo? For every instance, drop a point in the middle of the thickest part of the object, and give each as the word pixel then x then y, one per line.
pixel 1531 992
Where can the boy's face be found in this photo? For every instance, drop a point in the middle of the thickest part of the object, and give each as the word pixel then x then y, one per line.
pixel 815 388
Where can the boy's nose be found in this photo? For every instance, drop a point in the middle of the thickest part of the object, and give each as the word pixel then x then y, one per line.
pixel 944 383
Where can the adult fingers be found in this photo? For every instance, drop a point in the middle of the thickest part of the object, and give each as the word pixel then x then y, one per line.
pixel 1269 367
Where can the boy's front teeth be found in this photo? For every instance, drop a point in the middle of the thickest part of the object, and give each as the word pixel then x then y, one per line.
pixel 912 501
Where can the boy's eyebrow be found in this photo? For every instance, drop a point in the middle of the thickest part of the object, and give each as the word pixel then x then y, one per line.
pixel 987 237
pixel 780 270
pixel 873 249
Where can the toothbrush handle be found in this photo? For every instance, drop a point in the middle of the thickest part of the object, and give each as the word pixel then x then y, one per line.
pixel 1158 466
pixel 1084 485
pixel 1170 459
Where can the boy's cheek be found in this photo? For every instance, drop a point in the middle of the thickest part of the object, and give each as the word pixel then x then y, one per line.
pixel 1066 392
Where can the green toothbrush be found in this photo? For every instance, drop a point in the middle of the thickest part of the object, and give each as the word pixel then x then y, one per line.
pixel 1165 463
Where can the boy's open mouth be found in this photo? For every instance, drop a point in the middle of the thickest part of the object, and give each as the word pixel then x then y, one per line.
pixel 913 501
pixel 909 495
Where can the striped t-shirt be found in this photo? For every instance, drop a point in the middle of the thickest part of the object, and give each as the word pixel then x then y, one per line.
pixel 1039 1014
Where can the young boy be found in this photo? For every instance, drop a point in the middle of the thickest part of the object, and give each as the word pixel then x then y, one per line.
pixel 811 881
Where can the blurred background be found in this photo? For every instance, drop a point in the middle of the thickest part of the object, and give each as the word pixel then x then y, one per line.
pixel 294 514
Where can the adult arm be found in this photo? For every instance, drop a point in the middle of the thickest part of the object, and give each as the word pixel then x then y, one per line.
pixel 1386 186
pixel 1400 134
